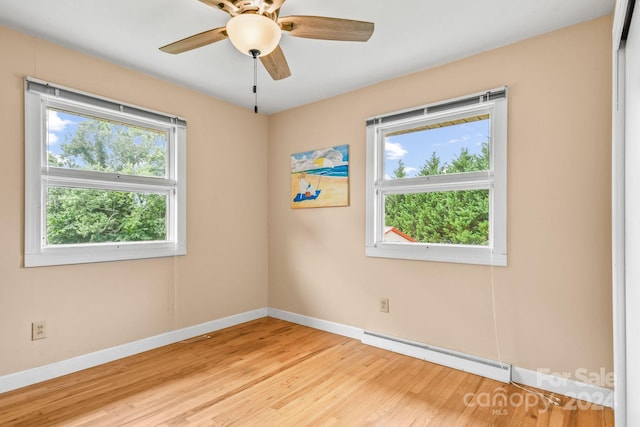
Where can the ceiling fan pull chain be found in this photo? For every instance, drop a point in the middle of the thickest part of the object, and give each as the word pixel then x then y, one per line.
pixel 254 53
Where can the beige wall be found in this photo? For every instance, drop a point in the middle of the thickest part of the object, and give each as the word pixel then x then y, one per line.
pixel 553 303
pixel 95 306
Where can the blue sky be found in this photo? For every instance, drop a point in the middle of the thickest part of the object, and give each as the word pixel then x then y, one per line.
pixel 60 124
pixel 416 147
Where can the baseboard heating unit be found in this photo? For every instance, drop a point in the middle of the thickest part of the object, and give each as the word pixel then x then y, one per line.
pixel 452 359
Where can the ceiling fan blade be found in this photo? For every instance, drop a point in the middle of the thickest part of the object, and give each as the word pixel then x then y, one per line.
pixel 275 5
pixel 324 28
pixel 225 5
pixel 276 64
pixel 195 41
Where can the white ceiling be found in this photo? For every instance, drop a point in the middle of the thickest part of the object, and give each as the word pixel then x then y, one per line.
pixel 410 35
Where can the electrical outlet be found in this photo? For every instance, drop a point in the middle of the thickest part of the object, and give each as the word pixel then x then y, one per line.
pixel 384 305
pixel 38 330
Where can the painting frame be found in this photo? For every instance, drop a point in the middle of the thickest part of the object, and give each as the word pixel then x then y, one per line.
pixel 320 178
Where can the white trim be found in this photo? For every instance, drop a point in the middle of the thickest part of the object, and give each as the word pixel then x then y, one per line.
pixel 446 105
pixel 564 386
pixel 452 359
pixel 619 19
pixel 79 97
pixel 312 322
pixel 479 255
pixel 618 238
pixel 571 388
pixel 75 364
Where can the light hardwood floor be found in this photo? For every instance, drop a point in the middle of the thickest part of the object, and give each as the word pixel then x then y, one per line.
pixel 273 373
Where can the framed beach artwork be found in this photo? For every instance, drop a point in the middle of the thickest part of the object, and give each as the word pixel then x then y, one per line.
pixel 320 178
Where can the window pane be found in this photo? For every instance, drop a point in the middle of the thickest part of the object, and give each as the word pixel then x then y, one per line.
pixel 455 146
pixel 77 215
pixel 451 217
pixel 76 141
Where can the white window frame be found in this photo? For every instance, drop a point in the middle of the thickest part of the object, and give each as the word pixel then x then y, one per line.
pixel 39 176
pixel 492 102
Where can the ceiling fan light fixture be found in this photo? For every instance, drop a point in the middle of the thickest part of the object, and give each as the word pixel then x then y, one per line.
pixel 251 31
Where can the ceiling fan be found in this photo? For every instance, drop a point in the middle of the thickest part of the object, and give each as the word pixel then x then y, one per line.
pixel 255 28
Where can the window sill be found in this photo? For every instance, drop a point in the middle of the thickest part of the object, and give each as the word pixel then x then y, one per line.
pixel 77 254
pixel 439 253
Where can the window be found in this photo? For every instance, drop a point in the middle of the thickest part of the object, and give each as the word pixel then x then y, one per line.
pixel 437 181
pixel 104 181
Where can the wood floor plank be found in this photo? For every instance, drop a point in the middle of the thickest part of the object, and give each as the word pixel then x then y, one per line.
pixel 269 372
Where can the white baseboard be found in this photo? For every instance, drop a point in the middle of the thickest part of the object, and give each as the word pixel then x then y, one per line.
pixel 312 322
pixel 452 359
pixel 64 367
pixel 443 357
pixel 564 386
pixel 576 389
